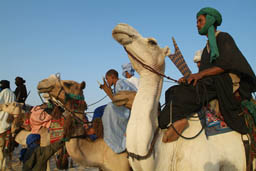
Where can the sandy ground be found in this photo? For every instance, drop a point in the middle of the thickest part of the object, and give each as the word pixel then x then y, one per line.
pixel 17 166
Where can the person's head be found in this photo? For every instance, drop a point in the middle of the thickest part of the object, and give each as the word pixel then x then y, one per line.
pixel 111 77
pixel 19 81
pixel 197 57
pixel 207 21
pixel 33 139
pixel 4 84
pixel 128 70
pixel 206 18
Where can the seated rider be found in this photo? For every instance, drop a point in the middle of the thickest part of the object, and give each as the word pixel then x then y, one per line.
pixel 220 57
pixel 21 90
pixel 128 73
pixel 115 118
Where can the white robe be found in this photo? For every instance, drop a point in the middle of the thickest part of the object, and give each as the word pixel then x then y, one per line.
pixel 134 81
pixel 115 119
pixel 6 96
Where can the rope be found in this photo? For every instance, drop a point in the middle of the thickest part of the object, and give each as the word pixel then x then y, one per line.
pixel 149 67
pixel 96 102
pixel 187 138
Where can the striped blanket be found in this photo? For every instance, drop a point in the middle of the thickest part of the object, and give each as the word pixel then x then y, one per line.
pixel 56 129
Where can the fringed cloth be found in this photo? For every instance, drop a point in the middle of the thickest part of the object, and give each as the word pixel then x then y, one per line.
pixel 179 61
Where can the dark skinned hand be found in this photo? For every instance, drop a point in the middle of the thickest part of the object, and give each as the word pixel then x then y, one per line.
pixel 194 78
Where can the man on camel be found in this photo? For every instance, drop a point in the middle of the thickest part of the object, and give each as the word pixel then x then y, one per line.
pixel 220 57
pixel 115 118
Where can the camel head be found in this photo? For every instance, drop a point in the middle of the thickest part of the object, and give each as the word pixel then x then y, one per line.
pixel 145 49
pixel 69 93
pixel 12 108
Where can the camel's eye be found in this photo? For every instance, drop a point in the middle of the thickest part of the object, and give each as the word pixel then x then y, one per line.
pixel 152 42
pixel 68 85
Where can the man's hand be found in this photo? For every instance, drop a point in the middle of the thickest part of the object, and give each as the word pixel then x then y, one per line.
pixel 106 88
pixel 195 78
pixel 182 80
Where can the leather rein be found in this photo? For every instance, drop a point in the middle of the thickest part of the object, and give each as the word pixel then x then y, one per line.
pixel 151 69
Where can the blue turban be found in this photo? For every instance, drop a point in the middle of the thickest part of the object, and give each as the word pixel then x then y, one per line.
pixel 32 138
pixel 128 67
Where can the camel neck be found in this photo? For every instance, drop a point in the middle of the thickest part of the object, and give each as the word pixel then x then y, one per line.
pixel 143 118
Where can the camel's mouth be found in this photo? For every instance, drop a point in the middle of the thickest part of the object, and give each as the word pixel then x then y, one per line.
pixel 124 34
pixel 42 89
pixel 122 37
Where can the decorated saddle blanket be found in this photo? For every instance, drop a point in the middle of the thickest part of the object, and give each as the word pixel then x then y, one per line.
pixel 56 130
pixel 212 119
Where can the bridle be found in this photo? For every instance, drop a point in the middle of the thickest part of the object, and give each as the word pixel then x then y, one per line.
pixel 68 96
pixel 151 69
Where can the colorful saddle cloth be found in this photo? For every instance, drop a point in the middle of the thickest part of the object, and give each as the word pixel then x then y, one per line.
pixel 212 120
pixel 56 130
pixel 213 124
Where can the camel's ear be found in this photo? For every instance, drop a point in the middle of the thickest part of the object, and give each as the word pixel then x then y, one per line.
pixel 82 85
pixel 167 51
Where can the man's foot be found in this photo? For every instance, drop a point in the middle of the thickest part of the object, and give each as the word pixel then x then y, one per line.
pixel 170 135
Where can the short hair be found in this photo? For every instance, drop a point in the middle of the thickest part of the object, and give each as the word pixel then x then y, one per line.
pixel 112 72
pixel 4 84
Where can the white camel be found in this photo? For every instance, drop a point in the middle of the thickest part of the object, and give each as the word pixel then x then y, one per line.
pixel 83 151
pixel 219 152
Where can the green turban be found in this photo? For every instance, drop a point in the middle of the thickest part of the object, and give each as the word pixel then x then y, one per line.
pixel 213 17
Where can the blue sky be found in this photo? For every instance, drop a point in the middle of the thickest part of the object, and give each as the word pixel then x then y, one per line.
pixel 73 37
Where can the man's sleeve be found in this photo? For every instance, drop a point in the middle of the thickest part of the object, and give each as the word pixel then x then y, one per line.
pixel 49 150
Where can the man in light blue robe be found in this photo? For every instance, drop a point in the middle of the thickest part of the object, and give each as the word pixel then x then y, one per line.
pixel 115 118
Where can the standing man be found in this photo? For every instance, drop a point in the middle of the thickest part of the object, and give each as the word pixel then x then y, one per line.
pixel 220 57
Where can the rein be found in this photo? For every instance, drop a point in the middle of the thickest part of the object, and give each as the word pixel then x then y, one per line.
pixel 149 67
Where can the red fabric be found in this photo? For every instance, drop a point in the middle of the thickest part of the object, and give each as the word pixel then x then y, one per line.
pixel 39 118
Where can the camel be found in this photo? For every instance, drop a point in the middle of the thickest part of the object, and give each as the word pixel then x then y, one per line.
pixel 83 151
pixel 219 152
pixel 13 109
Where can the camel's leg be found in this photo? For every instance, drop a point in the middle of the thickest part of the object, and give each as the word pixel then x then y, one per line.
pixel 10 161
pixel 2 156
pixel 48 166
pixel 4 164
pixel 71 163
